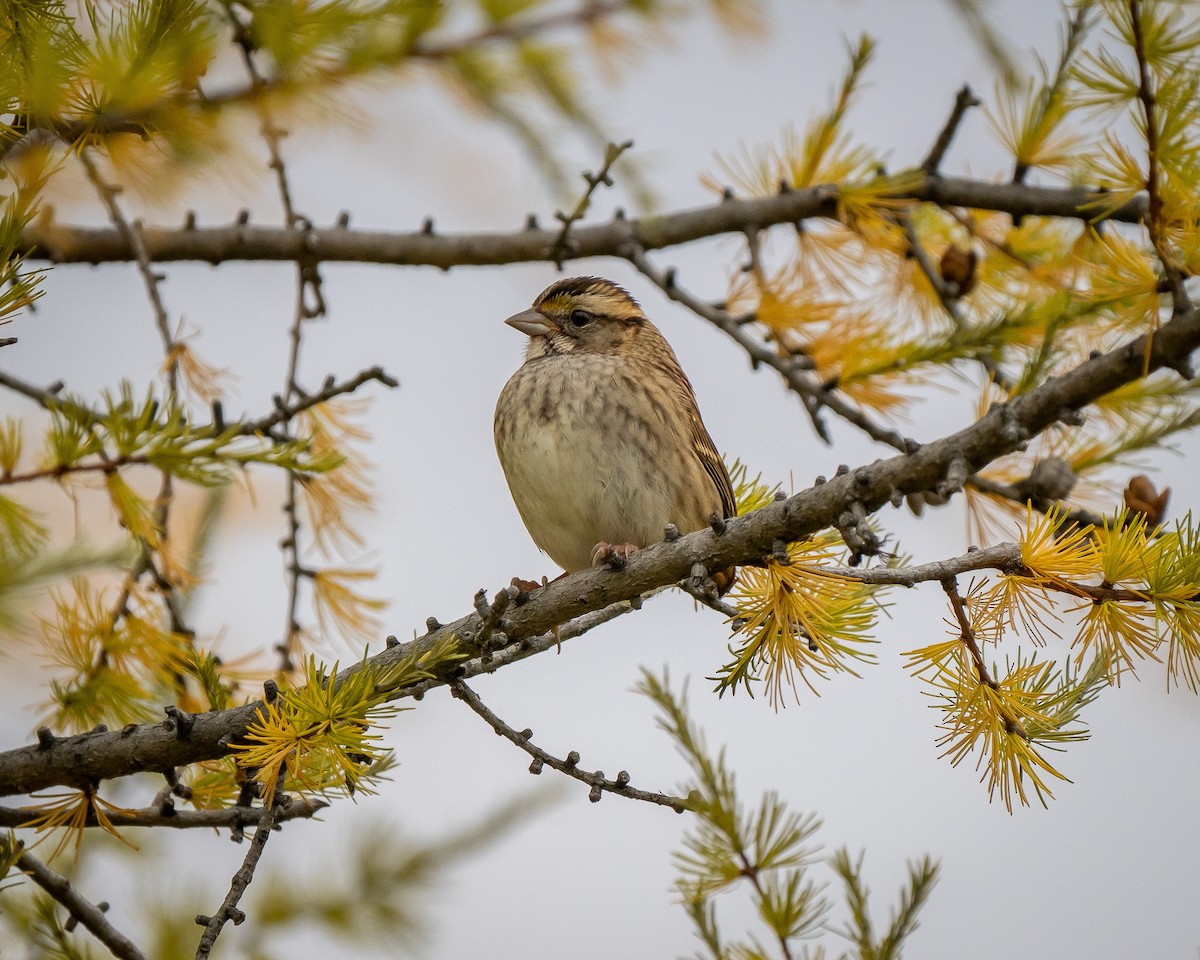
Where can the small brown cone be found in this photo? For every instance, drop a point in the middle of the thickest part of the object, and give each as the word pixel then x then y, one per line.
pixel 1141 496
pixel 957 268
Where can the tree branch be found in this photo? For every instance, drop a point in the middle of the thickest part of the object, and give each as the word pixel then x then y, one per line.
pixel 1004 428
pixel 329 389
pixel 1002 556
pixel 84 911
pixel 231 817
pixel 963 101
pixel 44 398
pixel 68 244
pixel 595 779
pixel 796 376
pixel 241 879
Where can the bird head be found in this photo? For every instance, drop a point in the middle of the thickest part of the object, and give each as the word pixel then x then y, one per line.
pixel 579 314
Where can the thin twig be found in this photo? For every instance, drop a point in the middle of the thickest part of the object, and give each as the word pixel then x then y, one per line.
pixel 967 632
pixel 1154 201
pixel 751 871
pixel 152 281
pixel 144 119
pixel 795 373
pixel 83 910
pixel 165 816
pixel 241 879
pixel 1012 723
pixel 729 611
pixel 948 298
pixel 1077 28
pixel 135 237
pixel 1015 493
pixel 285 412
pixel 921 255
pixel 569 629
pixel 595 779
pixel 561 248
pixel 308 285
pixel 963 102
pixel 1002 556
pixel 47 397
pixel 518 29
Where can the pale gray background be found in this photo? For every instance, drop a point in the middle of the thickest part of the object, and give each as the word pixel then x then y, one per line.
pixel 1109 870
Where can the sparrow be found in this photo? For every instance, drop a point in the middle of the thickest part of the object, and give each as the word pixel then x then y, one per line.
pixel 599 434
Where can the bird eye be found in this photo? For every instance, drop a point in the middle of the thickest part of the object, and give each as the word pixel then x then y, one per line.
pixel 581 318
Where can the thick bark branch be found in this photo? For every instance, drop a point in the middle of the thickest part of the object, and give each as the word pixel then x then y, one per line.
pixel 944 464
pixel 67 244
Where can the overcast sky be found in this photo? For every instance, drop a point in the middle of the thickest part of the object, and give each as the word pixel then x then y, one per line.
pixel 1110 869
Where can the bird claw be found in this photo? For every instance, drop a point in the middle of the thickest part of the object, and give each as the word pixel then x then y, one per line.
pixel 527 586
pixel 612 555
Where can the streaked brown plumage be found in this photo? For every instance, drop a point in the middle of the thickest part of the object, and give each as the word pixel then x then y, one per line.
pixel 598 431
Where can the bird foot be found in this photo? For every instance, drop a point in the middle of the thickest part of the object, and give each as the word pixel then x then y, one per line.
pixel 527 586
pixel 612 555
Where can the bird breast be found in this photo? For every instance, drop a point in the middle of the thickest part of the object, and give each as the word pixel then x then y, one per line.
pixel 584 469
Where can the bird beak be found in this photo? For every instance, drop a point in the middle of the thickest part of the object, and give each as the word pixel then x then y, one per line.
pixel 531 323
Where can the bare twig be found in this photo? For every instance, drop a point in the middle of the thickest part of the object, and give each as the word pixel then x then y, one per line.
pixel 562 245
pixel 947 296
pixel 517 29
pixel 84 911
pixel 967 632
pixel 489 661
pixel 963 102
pixel 1017 494
pixel 309 304
pixel 921 255
pixel 794 371
pixel 46 397
pixel 330 389
pixel 1154 202
pixel 1003 556
pixel 134 237
pixel 241 879
pixel 166 816
pixel 595 779
pixel 1077 28
pixel 1012 723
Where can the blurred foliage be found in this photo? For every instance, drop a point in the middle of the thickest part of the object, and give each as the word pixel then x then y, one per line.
pixel 373 892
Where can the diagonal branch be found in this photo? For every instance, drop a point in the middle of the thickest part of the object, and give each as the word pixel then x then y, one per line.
pixel 963 101
pixel 793 370
pixel 941 463
pixel 83 910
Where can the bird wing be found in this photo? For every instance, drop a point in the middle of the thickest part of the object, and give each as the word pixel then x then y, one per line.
pixel 714 466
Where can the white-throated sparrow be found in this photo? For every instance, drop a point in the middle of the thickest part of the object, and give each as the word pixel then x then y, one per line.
pixel 598 431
